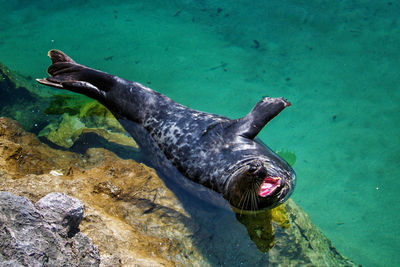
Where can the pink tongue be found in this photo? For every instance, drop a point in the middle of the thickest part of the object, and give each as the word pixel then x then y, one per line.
pixel 268 186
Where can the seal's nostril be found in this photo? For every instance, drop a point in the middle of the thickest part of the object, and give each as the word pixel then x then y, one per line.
pixel 255 166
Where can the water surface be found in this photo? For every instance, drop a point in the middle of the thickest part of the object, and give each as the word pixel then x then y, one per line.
pixel 336 61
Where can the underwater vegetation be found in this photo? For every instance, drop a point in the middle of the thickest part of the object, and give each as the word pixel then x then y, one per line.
pixel 287 155
pixel 78 116
pixel 63 103
pixel 260 225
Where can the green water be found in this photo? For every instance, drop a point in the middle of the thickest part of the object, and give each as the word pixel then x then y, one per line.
pixel 337 62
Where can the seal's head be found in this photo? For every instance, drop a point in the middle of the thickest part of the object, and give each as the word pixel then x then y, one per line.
pixel 260 179
pixel 260 184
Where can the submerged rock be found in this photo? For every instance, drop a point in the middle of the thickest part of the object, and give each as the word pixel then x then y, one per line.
pixel 65 132
pixel 136 220
pixel 82 117
pixel 44 234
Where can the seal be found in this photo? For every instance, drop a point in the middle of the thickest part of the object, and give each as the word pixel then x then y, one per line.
pixel 217 152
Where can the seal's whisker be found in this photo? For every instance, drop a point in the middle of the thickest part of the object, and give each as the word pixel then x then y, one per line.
pixel 241 199
pixel 246 200
pixel 251 201
pixel 256 186
pixel 254 197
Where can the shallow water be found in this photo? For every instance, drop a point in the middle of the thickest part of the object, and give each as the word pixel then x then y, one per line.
pixel 335 61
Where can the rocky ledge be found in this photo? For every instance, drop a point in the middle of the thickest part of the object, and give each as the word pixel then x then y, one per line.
pixel 132 217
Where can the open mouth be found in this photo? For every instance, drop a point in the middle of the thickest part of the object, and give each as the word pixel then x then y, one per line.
pixel 269 185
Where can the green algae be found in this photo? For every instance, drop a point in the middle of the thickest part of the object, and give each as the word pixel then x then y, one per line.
pixel 80 115
pixel 69 104
pixel 259 225
pixel 94 115
pixel 287 155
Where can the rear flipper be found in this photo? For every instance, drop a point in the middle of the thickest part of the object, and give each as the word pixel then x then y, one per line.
pixel 65 73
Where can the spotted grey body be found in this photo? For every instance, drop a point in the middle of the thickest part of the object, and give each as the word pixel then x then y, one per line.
pixel 209 149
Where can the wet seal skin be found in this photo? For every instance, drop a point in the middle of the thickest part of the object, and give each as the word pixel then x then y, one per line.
pixel 214 151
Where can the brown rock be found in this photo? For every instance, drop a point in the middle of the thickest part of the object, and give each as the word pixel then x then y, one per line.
pixel 32 169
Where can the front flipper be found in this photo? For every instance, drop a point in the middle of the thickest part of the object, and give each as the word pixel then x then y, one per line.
pixel 264 111
pixel 65 73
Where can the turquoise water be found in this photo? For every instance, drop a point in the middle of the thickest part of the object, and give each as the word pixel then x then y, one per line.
pixel 337 62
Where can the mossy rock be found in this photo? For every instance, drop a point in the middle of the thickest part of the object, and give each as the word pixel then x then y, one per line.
pixel 81 115
pixel 279 216
pixel 65 132
pixel 95 115
pixel 259 225
pixel 90 112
